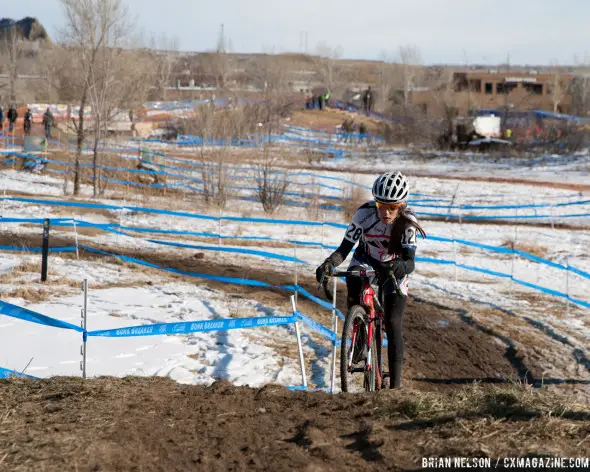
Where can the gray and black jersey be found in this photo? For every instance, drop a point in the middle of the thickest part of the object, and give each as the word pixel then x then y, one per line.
pixel 372 237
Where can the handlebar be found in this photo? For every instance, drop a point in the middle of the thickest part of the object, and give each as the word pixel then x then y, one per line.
pixel 354 273
pixel 362 273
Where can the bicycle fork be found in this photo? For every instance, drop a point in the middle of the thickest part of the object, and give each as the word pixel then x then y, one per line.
pixel 370 346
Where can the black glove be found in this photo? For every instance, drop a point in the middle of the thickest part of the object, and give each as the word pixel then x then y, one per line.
pixel 397 268
pixel 326 267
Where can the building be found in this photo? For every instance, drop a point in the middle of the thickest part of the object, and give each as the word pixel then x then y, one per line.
pixel 474 90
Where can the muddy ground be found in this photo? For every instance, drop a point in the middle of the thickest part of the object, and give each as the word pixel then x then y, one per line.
pixel 155 424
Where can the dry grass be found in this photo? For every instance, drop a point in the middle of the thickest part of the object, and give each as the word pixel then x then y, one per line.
pixel 31 294
pixel 466 250
pixel 531 248
pixel 313 209
pixel 354 197
pixel 18 271
pixel 513 400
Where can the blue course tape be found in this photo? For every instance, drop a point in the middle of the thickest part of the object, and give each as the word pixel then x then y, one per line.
pixel 504 250
pixel 316 327
pixel 195 326
pixel 506 276
pixel 14 311
pixel 501 217
pixel 252 252
pixel 37 249
pixel 7 373
pixel 319 301
pixel 109 227
pixel 114 207
pixel 503 207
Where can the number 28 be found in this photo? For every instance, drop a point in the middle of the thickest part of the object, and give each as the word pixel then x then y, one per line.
pixel 353 232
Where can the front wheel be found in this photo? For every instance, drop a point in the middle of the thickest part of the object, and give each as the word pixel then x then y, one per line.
pixel 357 370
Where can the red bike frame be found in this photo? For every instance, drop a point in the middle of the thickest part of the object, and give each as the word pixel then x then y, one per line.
pixel 367 299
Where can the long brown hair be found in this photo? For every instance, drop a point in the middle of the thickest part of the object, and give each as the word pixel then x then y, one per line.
pixel 404 218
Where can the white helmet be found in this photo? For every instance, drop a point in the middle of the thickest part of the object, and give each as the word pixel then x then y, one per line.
pixel 391 187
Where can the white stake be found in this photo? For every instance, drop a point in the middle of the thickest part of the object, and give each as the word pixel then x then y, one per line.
pixel 219 228
pixel 84 325
pixel 335 329
pixel 3 207
pixel 76 237
pixel 454 251
pixel 296 269
pixel 513 256
pixel 299 346
pixel 567 284
pixel 322 248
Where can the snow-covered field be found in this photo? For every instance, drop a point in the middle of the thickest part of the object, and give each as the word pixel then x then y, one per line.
pixel 126 297
pixel 121 296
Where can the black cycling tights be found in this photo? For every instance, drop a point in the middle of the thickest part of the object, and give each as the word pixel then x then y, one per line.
pixel 395 306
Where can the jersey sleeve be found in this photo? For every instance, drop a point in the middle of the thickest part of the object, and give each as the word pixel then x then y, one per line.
pixel 351 237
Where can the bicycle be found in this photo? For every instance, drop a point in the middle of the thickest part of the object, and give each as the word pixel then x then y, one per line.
pixel 362 334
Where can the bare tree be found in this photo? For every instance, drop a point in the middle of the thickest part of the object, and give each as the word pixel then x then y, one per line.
pixel 269 75
pixel 387 80
pixel 216 176
pixel 166 58
pixel 12 49
pixel 272 183
pixel 326 61
pixel 91 27
pixel 557 88
pixel 410 60
pixel 96 68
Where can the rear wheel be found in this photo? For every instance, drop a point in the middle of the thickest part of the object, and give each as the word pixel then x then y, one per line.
pixel 355 374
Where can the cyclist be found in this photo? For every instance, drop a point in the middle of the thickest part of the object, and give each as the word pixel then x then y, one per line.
pixel 385 230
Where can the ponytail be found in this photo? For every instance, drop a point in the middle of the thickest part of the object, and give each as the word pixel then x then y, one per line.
pixel 405 217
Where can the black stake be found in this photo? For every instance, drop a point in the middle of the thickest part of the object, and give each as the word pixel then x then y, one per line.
pixel 45 250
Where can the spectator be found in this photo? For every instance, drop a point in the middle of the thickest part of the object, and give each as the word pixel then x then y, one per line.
pixel 28 122
pixel 48 122
pixel 362 131
pixel 326 97
pixel 12 116
pixel 368 100
pixel 1 118
pixel 345 127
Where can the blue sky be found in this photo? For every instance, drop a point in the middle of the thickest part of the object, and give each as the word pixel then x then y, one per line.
pixel 445 31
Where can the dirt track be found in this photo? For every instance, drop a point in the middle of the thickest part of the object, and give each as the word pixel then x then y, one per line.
pixel 154 424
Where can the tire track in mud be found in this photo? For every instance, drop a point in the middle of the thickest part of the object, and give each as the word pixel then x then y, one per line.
pixel 578 354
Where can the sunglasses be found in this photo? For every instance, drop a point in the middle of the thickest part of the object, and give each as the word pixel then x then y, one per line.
pixel 388 206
